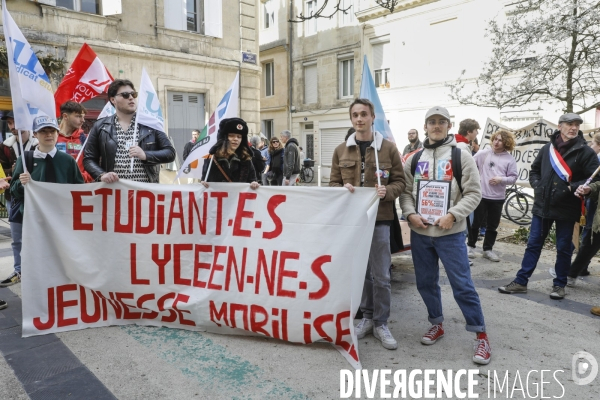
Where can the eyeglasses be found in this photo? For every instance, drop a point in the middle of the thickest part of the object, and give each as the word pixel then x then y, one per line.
pixel 126 95
pixel 274 141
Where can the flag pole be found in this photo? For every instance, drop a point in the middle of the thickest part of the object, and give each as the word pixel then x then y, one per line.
pixel 208 170
pixel 135 134
pixel 378 172
pixel 22 152
pixel 81 151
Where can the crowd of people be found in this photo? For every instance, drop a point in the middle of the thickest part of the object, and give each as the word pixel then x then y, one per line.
pixel 474 180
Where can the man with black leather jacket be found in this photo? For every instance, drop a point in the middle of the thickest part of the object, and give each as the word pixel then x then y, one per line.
pixel 111 145
pixel 560 167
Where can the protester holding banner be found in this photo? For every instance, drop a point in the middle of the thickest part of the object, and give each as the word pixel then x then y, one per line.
pixel 363 160
pixel 10 150
pixel 274 170
pixel 46 164
pixel 497 169
pixel 443 238
pixel 230 158
pixel 112 142
pixel 560 167
pixel 71 137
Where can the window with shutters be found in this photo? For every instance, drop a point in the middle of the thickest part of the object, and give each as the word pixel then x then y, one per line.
pixel 267 128
pixel 347 18
pixel 381 64
pixel 310 26
pixel 199 16
pixel 88 6
pixel 346 78
pixel 268 14
pixel 310 83
pixel 269 79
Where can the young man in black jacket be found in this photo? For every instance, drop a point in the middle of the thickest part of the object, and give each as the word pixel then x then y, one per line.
pixel 111 146
pixel 291 159
pixel 560 167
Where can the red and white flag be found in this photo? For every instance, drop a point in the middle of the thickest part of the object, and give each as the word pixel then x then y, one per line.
pixel 86 78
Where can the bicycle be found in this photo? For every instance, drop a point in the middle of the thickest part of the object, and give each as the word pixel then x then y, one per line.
pixel 518 206
pixel 306 172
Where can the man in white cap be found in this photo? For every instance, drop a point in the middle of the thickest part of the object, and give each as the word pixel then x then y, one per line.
pixel 442 238
pixel 560 167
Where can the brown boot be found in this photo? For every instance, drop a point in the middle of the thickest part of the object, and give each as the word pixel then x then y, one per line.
pixel 595 311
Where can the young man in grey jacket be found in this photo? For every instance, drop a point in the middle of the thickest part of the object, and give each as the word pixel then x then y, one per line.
pixel 443 238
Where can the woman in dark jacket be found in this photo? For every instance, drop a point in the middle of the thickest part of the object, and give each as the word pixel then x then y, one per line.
pixel 274 170
pixel 231 157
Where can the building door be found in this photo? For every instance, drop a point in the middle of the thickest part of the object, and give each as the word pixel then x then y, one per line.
pixel 309 141
pixel 186 113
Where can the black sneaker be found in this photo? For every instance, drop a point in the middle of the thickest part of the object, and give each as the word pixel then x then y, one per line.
pixel 3 304
pixel 14 278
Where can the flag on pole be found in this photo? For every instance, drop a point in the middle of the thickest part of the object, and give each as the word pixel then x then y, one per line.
pixel 86 78
pixel 30 86
pixel 149 112
pixel 368 91
pixel 228 108
pixel 107 111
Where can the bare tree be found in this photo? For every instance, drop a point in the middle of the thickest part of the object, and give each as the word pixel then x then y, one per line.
pixel 339 7
pixel 548 50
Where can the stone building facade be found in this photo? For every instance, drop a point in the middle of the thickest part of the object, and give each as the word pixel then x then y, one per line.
pixel 191 49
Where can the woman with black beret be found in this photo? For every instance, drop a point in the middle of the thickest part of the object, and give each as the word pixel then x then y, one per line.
pixel 231 157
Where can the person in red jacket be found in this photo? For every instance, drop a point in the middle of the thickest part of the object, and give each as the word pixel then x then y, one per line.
pixel 71 137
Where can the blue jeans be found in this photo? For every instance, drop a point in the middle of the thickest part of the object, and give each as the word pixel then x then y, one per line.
pixel 377 290
pixel 452 251
pixel 564 249
pixel 16 232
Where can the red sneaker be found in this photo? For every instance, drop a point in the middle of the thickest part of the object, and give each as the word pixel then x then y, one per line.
pixel 433 334
pixel 483 351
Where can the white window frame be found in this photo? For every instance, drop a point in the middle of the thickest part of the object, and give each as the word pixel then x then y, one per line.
pixel 269 68
pixel 209 16
pixel 199 16
pixel 77 7
pixel 382 78
pixel 310 26
pixel 348 18
pixel 107 7
pixel 268 15
pixel 381 61
pixel 346 64
pixel 267 128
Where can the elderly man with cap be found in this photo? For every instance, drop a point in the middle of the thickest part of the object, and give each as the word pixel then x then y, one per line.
pixel 440 236
pixel 560 167
pixel 10 150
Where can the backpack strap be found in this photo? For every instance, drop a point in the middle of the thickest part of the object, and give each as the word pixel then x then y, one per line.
pixel 457 166
pixel 28 157
pixel 415 159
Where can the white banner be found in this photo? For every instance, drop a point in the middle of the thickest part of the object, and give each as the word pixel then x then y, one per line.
pixel 287 264
pixel 530 139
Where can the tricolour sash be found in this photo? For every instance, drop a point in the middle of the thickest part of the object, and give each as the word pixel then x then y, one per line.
pixel 559 165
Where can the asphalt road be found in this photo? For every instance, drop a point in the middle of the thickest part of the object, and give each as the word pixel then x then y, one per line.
pixel 528 333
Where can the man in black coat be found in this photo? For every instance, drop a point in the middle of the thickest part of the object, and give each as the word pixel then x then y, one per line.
pixel 111 144
pixel 187 149
pixel 560 167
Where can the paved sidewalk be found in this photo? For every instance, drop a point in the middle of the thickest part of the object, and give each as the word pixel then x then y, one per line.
pixel 527 332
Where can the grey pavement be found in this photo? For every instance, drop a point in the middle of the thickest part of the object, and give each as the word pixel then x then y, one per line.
pixel 527 332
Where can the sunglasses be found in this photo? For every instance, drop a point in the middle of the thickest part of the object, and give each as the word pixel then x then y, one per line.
pixel 126 95
pixel 274 141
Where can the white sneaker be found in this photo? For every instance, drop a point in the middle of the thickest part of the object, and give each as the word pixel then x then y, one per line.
pixel 364 327
pixel 387 340
pixel 571 281
pixel 490 255
pixel 470 252
pixel 552 272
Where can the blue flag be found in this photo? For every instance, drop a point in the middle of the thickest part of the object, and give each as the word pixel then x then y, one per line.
pixel 368 91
